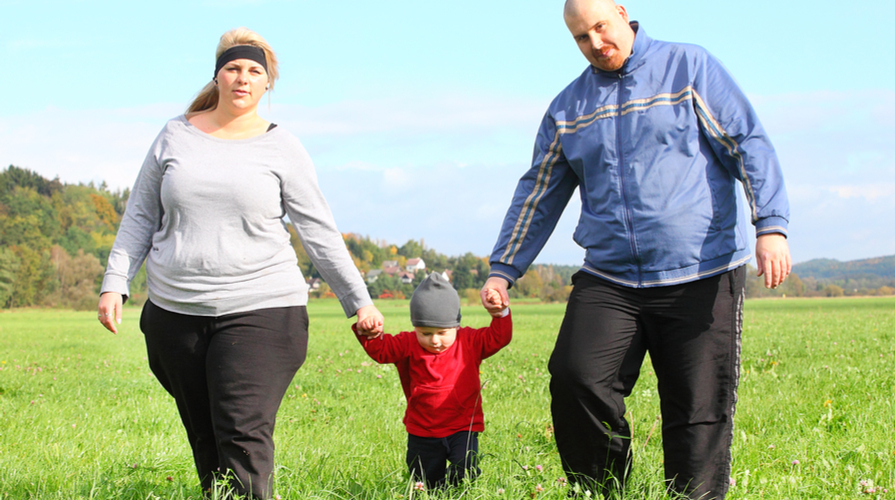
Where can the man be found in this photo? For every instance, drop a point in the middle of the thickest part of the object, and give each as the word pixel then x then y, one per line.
pixel 655 136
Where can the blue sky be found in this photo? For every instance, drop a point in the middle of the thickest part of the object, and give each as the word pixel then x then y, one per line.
pixel 420 116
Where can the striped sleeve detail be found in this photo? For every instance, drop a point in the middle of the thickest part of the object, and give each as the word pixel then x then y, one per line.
pixel 714 129
pixel 526 215
pixel 771 229
pixel 667 99
pixel 505 276
pixel 568 127
pixel 531 203
pixel 520 230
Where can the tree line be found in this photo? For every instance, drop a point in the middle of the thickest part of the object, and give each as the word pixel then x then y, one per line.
pixel 794 286
pixel 55 240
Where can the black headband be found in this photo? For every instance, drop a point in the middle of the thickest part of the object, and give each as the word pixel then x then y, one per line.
pixel 241 52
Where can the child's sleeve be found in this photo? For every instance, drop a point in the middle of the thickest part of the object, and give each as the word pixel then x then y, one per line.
pixel 496 336
pixel 385 348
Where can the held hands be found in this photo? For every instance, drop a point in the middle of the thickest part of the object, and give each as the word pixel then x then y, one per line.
pixel 494 296
pixel 772 259
pixel 369 321
pixel 109 310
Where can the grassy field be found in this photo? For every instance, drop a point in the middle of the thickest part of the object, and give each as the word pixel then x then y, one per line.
pixel 81 416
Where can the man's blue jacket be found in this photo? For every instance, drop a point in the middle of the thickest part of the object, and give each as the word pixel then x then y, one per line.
pixel 656 149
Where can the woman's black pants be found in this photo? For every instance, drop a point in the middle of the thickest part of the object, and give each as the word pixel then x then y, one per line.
pixel 228 375
pixel 692 334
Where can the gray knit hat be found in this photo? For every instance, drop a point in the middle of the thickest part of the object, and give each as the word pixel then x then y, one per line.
pixel 435 303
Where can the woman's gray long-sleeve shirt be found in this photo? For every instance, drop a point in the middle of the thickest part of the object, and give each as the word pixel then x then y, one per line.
pixel 207 215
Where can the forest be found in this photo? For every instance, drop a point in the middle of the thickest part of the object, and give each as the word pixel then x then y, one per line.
pixel 55 239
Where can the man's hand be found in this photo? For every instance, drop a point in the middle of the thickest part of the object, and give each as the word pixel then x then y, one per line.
pixel 108 312
pixel 494 300
pixel 494 295
pixel 772 259
pixel 369 321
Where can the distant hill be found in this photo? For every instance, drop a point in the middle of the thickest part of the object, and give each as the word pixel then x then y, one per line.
pixel 831 269
pixel 853 275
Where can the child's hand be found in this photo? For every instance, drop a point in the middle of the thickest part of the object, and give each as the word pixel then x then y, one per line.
pixel 369 322
pixel 369 327
pixel 493 303
pixel 494 295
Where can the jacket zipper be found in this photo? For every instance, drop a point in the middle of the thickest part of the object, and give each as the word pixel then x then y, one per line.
pixel 621 172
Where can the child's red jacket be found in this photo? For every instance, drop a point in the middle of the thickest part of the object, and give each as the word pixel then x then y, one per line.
pixel 443 390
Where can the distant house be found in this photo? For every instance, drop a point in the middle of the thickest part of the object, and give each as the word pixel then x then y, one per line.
pixel 407 277
pixel 448 274
pixel 391 270
pixel 389 263
pixel 373 275
pixel 414 265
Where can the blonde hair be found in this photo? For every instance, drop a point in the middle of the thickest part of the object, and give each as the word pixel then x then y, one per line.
pixel 208 96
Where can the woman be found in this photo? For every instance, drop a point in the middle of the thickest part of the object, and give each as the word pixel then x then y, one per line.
pixel 226 325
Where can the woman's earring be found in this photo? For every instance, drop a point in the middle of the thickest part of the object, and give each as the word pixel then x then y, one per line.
pixel 267 87
pixel 215 80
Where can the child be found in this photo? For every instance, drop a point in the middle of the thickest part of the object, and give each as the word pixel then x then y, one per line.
pixel 439 369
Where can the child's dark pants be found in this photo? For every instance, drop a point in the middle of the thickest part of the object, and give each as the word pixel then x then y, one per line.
pixel 427 458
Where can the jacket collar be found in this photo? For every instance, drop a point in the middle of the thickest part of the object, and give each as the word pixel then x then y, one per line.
pixel 638 51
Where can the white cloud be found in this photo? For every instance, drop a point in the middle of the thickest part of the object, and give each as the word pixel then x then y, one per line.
pixel 868 191
pixel 444 167
pixel 838 159
pixel 396 180
pixel 455 210
pixel 33 43
pixel 83 146
pixel 831 135
pixel 410 115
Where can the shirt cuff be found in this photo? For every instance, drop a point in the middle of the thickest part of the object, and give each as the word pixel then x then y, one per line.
pixel 773 224
pixel 504 271
pixel 355 300
pixel 114 283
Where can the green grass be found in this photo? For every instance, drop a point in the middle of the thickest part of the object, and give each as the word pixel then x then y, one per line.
pixel 81 416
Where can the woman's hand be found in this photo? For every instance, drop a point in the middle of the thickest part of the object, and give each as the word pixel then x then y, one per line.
pixel 369 321
pixel 109 310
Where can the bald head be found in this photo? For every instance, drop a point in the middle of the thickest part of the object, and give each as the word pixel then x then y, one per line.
pixel 601 30
pixel 574 8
